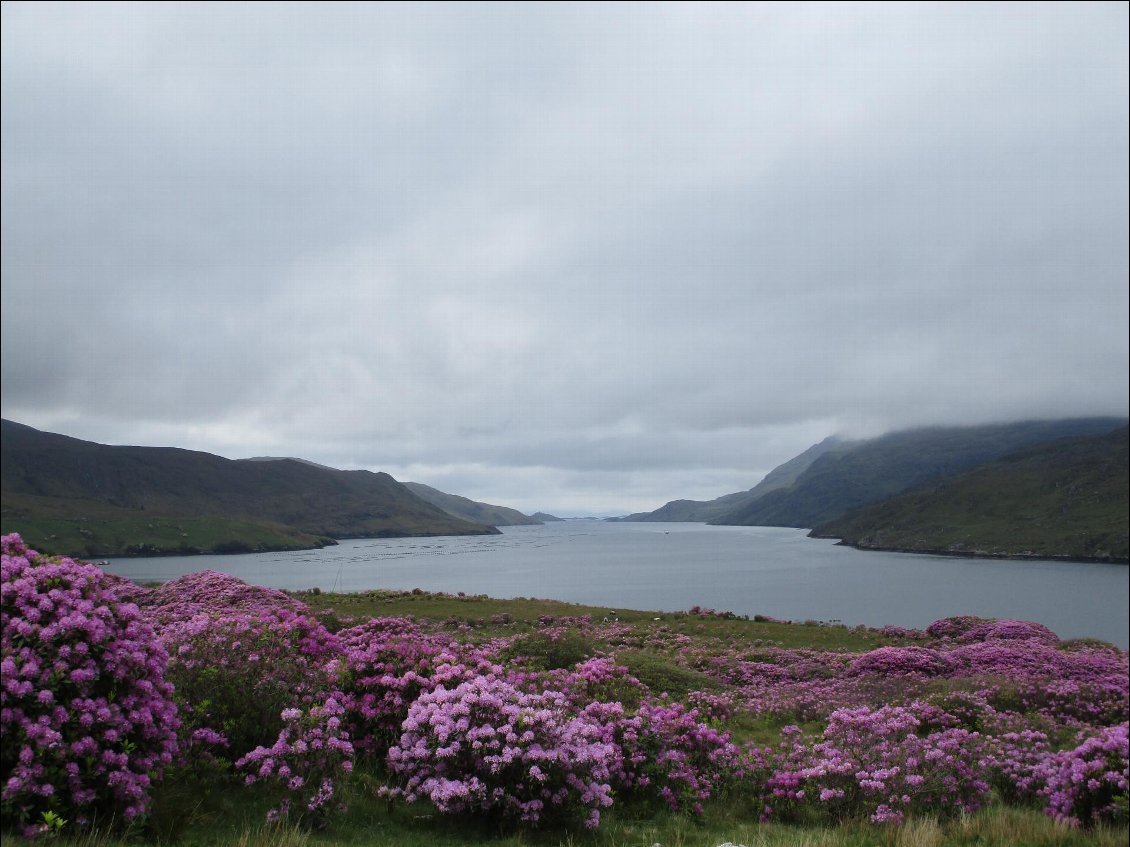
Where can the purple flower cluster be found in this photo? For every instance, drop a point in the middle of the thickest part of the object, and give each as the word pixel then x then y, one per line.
pixel 383 666
pixel 884 763
pixel 910 661
pixel 1072 683
pixel 239 661
pixel 955 628
pixel 488 747
pixel 1018 764
pixel 664 752
pixel 595 680
pixel 252 666
pixel 1082 685
pixel 86 715
pixel 531 728
pixel 1010 687
pixel 966 628
pixel 1088 785
pixel 211 591
pixel 311 751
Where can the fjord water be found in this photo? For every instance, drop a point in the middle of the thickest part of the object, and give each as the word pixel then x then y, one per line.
pixel 670 567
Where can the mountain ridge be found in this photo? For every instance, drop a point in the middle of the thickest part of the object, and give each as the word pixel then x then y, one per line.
pixel 782 476
pixel 64 481
pixel 1064 499
pixel 471 510
pixel 879 468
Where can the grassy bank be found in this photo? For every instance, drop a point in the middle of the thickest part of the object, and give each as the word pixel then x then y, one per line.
pixel 376 827
pixel 107 533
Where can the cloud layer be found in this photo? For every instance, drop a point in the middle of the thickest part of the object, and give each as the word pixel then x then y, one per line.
pixel 575 257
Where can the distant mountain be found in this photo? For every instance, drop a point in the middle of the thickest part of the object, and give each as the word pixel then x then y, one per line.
pixel 871 471
pixel 77 497
pixel 289 459
pixel 470 510
pixel 704 511
pixel 542 517
pixel 1069 499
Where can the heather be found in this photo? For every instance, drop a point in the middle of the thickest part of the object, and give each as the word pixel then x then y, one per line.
pixel 406 715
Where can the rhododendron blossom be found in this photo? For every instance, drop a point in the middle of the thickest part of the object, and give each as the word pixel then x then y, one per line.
pixel 1088 785
pixel 383 666
pixel 87 718
pixel 312 750
pixel 239 660
pixel 881 763
pixel 488 747
pixel 534 725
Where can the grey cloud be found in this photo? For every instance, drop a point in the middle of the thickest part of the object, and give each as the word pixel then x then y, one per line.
pixel 605 245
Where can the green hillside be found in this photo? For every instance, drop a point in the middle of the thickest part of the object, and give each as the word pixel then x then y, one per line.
pixel 1067 499
pixel 706 511
pixel 56 490
pixel 877 469
pixel 97 530
pixel 470 510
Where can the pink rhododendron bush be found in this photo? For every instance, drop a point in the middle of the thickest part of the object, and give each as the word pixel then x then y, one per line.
pixel 885 763
pixel 312 750
pixel 669 754
pixel 238 656
pixel 1088 784
pixel 384 665
pixel 488 747
pixel 547 721
pixel 87 717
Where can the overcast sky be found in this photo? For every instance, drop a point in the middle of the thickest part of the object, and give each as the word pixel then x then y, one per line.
pixel 576 258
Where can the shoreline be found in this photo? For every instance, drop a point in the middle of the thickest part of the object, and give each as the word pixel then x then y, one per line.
pixel 979 554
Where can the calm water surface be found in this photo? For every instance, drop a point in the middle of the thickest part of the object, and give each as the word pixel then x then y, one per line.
pixel 671 567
